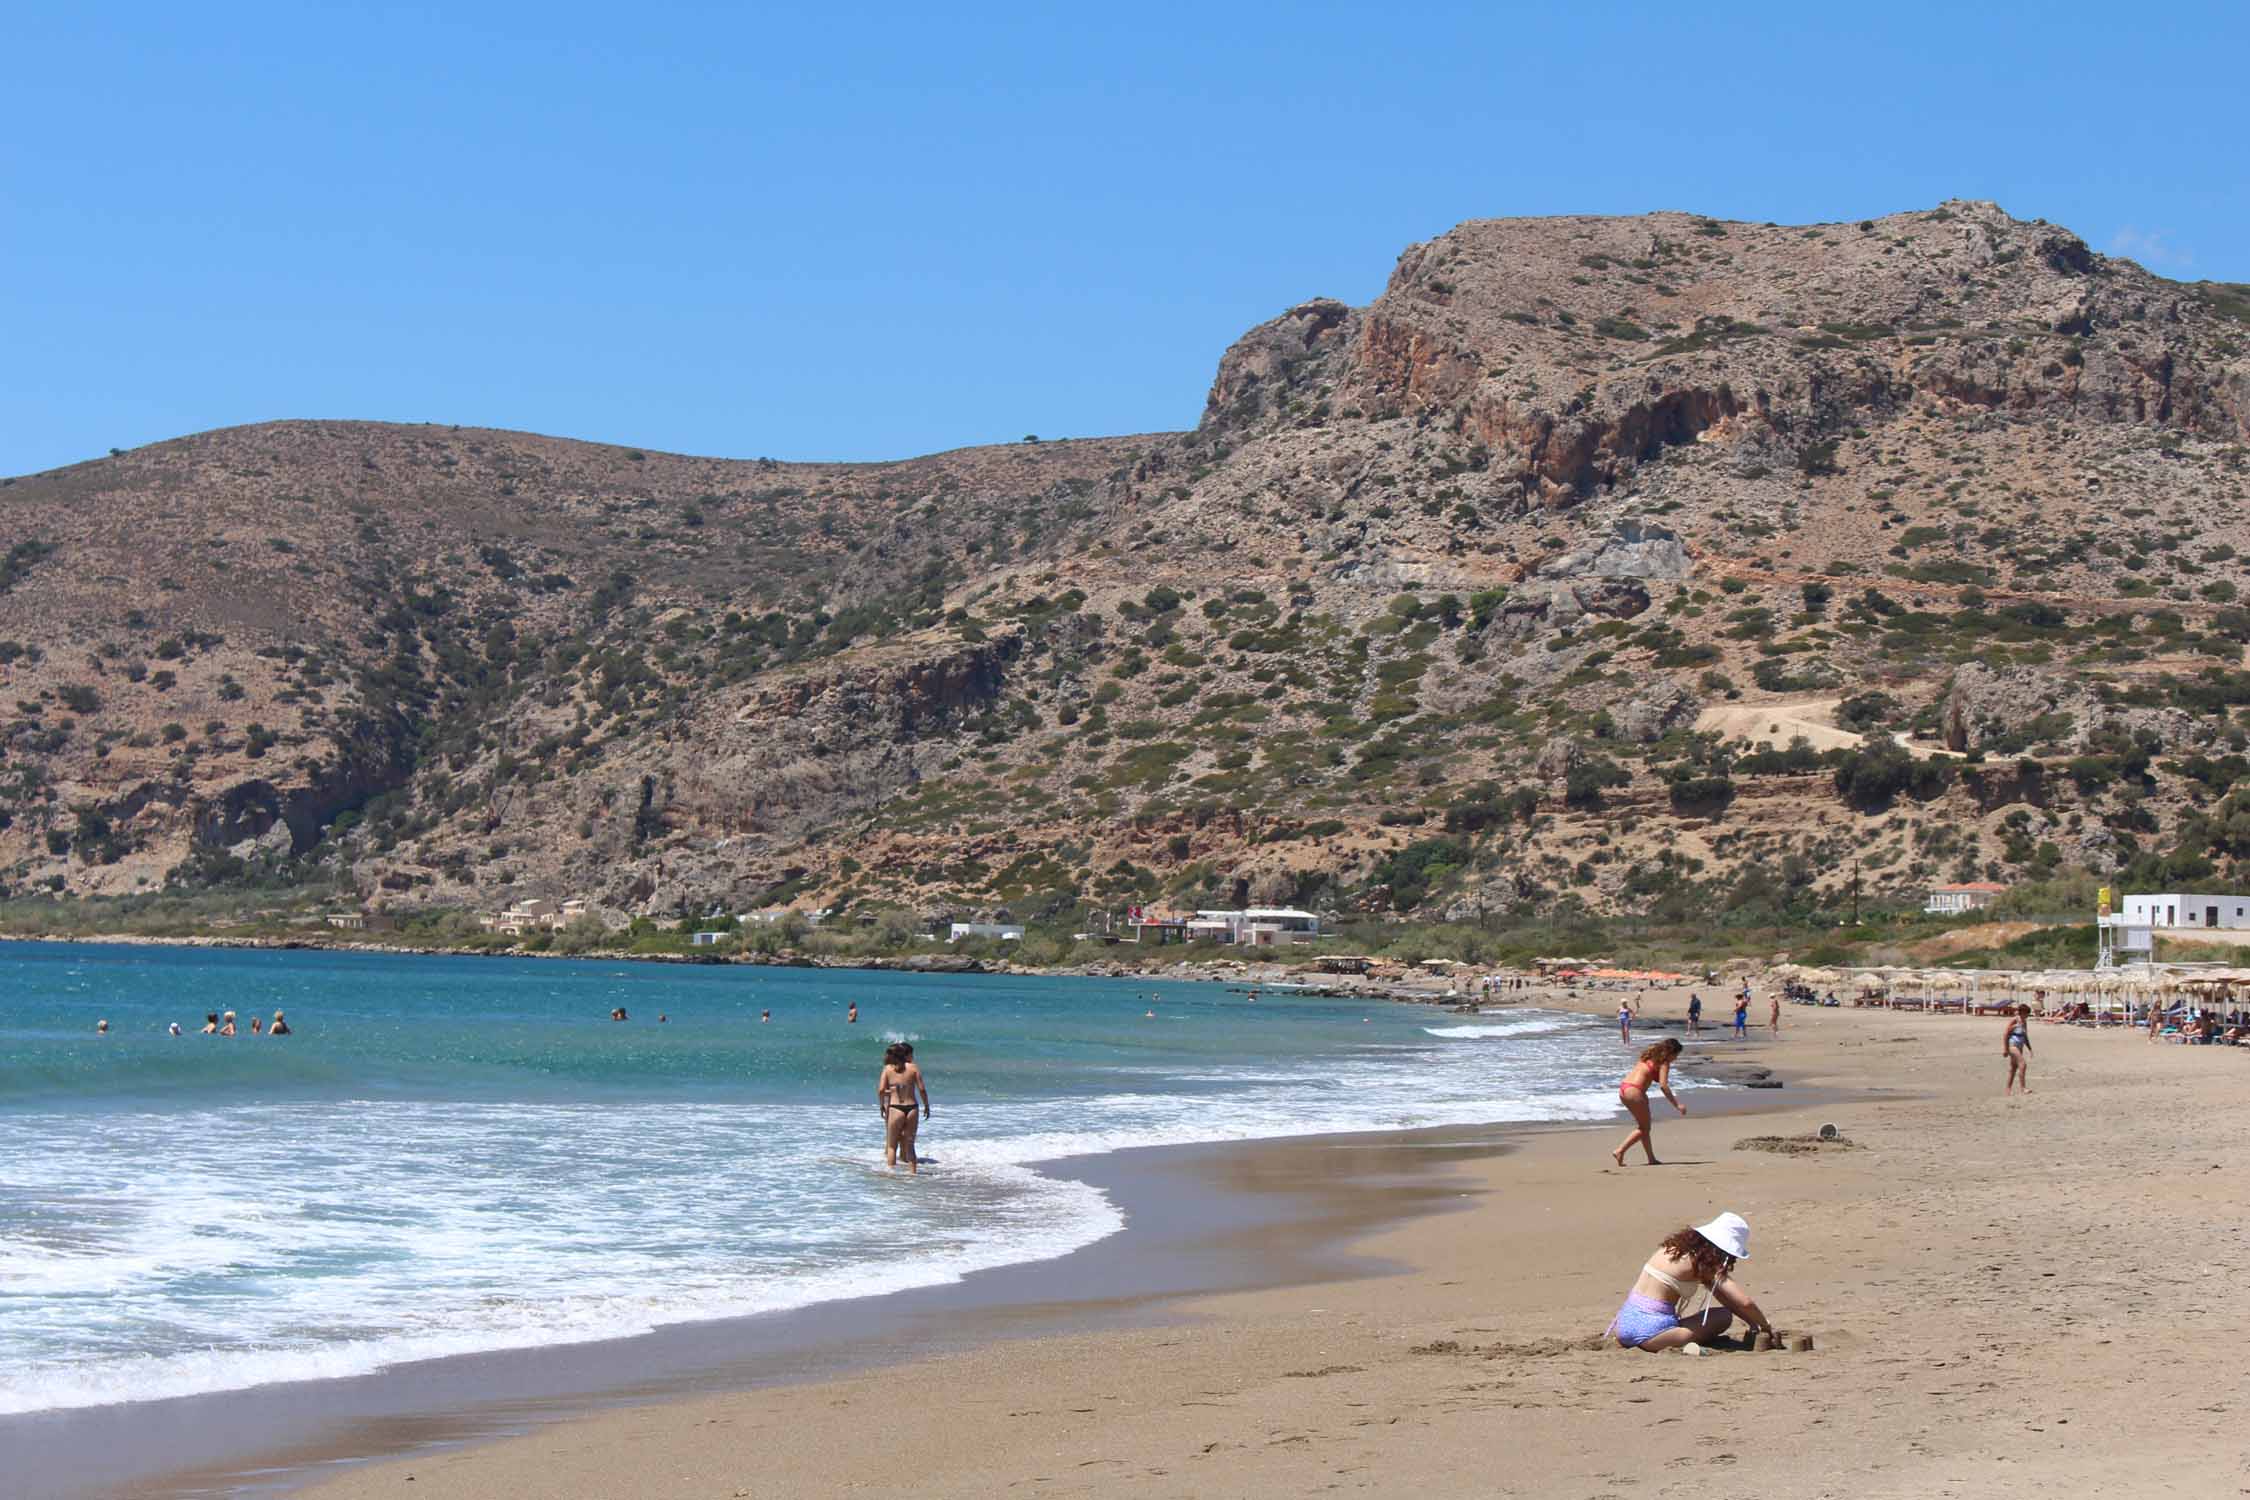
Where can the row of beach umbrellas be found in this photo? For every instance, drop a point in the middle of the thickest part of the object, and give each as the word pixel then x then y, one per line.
pixel 2131 988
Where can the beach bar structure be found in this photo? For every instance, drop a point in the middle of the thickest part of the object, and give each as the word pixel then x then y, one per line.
pixel 2126 993
pixel 1153 927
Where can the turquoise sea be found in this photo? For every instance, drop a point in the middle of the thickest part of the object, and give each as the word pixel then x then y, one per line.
pixel 462 1154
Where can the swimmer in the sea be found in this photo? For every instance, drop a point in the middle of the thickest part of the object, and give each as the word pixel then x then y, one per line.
pixel 279 1027
pixel 851 1016
pixel 226 1024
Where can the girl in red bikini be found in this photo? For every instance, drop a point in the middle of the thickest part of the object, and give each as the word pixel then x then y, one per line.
pixel 1654 1066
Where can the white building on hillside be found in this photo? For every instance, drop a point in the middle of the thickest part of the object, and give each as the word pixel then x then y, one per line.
pixel 1975 895
pixel 1006 932
pixel 2184 910
pixel 1255 926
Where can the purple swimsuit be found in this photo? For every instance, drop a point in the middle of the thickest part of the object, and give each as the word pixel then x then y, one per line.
pixel 1641 1319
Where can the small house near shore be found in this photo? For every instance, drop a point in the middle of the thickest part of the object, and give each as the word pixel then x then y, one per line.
pixel 1003 932
pixel 538 914
pixel 1952 900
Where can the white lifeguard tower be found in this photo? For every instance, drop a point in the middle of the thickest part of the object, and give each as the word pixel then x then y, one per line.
pixel 2121 938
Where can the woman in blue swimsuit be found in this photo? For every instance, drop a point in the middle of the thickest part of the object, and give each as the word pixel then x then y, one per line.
pixel 1704 1256
pixel 2016 1047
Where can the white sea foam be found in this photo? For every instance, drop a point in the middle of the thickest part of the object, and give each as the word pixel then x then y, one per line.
pixel 1074 1215
pixel 1529 1026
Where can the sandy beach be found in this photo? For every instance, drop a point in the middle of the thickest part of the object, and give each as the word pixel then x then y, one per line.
pixel 2006 1296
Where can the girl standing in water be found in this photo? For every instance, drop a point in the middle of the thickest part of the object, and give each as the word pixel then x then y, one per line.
pixel 1654 1066
pixel 896 1092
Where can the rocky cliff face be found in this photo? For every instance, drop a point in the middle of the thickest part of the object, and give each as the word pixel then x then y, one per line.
pixel 1510 589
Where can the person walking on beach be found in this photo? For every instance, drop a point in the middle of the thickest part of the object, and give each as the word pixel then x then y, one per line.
pixel 1703 1256
pixel 1694 1014
pixel 1773 1013
pixel 895 1093
pixel 1653 1066
pixel 1742 1016
pixel 2016 1047
pixel 1625 1023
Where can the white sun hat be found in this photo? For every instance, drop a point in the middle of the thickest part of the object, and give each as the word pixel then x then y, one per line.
pixel 1730 1232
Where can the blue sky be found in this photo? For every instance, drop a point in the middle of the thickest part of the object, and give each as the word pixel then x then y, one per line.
pixel 874 231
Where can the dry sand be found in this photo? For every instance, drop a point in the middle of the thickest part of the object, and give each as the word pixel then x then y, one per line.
pixel 2009 1296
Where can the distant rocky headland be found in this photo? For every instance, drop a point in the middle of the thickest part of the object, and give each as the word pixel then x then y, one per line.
pixel 1653 565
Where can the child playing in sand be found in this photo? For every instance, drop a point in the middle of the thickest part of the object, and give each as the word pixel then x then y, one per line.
pixel 1703 1256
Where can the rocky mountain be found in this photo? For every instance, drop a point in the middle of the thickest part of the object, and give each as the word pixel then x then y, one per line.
pixel 1653 563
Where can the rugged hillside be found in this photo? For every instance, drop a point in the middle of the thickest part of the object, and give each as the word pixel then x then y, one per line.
pixel 1649 562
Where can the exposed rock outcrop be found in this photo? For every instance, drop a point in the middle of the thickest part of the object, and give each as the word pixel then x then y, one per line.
pixel 1541 606
pixel 1656 711
pixel 1984 704
pixel 1632 549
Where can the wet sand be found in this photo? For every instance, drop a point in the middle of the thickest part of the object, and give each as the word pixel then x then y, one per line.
pixel 1201 1219
pixel 2008 1297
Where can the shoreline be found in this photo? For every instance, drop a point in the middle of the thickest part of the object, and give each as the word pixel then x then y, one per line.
pixel 1202 1220
pixel 1250 973
pixel 1983 1278
pixel 1277 1204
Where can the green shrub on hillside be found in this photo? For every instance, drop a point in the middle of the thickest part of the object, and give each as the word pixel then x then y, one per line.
pixel 1872 776
pixel 1412 871
pixel 1585 782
